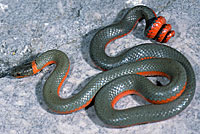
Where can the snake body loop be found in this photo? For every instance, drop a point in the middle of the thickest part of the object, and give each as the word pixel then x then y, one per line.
pixel 155 29
pixel 125 75
pixel 174 103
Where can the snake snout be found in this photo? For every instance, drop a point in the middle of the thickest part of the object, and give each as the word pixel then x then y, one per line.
pixel 3 75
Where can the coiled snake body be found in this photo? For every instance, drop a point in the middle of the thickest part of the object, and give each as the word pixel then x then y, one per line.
pixel 125 75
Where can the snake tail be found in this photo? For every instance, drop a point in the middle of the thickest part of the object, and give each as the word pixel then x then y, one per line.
pixel 156 28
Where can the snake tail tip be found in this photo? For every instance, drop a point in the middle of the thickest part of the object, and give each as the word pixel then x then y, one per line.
pixel 160 31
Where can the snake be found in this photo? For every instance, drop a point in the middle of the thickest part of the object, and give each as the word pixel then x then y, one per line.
pixel 122 75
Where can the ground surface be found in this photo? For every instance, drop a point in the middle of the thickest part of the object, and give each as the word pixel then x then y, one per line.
pixel 29 27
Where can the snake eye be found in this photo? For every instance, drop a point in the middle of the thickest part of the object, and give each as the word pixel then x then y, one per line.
pixel 17 74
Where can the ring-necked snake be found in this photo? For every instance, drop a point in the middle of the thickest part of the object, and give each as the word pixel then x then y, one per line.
pixel 125 74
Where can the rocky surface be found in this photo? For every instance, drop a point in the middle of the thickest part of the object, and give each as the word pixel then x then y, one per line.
pixel 30 27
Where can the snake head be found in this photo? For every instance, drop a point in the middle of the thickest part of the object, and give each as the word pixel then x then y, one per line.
pixel 21 71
